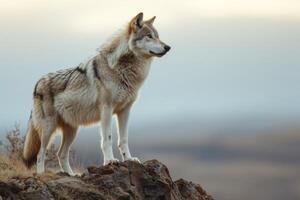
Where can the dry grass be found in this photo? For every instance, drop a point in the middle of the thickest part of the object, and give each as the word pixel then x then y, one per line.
pixel 11 163
pixel 11 167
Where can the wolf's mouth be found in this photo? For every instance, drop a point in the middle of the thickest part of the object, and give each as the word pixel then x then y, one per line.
pixel 158 54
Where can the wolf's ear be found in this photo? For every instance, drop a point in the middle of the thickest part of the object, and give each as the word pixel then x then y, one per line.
pixel 137 21
pixel 150 21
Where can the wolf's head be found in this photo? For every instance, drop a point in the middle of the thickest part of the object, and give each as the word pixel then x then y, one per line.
pixel 144 39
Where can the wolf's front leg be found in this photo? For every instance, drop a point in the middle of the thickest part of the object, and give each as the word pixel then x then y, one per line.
pixel 106 139
pixel 123 118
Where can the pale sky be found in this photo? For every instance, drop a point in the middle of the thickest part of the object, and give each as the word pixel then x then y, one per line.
pixel 228 59
pixel 98 16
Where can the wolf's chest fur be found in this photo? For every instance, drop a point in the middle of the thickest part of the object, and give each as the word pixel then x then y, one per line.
pixel 126 79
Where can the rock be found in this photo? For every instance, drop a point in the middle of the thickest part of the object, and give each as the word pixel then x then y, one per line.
pixel 8 191
pixel 122 181
pixel 191 191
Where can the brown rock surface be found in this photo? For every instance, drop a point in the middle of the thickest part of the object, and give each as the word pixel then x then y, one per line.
pixel 122 181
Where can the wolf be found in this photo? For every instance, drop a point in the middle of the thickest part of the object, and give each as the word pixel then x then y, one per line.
pixel 105 85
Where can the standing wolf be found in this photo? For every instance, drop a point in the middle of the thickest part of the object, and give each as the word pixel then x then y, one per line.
pixel 105 85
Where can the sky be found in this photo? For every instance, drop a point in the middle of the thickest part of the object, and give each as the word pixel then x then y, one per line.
pixel 229 58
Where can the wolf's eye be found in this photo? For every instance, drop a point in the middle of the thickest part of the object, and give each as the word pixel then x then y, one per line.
pixel 149 36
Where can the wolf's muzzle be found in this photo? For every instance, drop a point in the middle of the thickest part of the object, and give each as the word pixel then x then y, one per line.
pixel 167 48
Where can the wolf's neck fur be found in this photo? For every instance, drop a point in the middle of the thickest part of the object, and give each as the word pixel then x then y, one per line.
pixel 115 49
pixel 130 68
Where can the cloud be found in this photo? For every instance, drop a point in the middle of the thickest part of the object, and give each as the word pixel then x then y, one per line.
pixel 100 16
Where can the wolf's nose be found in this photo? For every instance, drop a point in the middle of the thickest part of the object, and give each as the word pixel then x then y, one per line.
pixel 167 48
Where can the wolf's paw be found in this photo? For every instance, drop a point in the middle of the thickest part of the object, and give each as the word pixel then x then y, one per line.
pixel 134 159
pixel 111 161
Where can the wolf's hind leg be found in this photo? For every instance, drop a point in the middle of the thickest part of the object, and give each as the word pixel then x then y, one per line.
pixel 123 118
pixel 48 127
pixel 68 136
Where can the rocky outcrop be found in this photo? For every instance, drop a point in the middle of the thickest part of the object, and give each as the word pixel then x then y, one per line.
pixel 122 181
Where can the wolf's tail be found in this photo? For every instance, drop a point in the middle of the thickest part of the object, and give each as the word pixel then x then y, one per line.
pixel 32 145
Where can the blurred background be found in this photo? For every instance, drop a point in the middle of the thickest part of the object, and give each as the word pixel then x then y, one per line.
pixel 221 108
